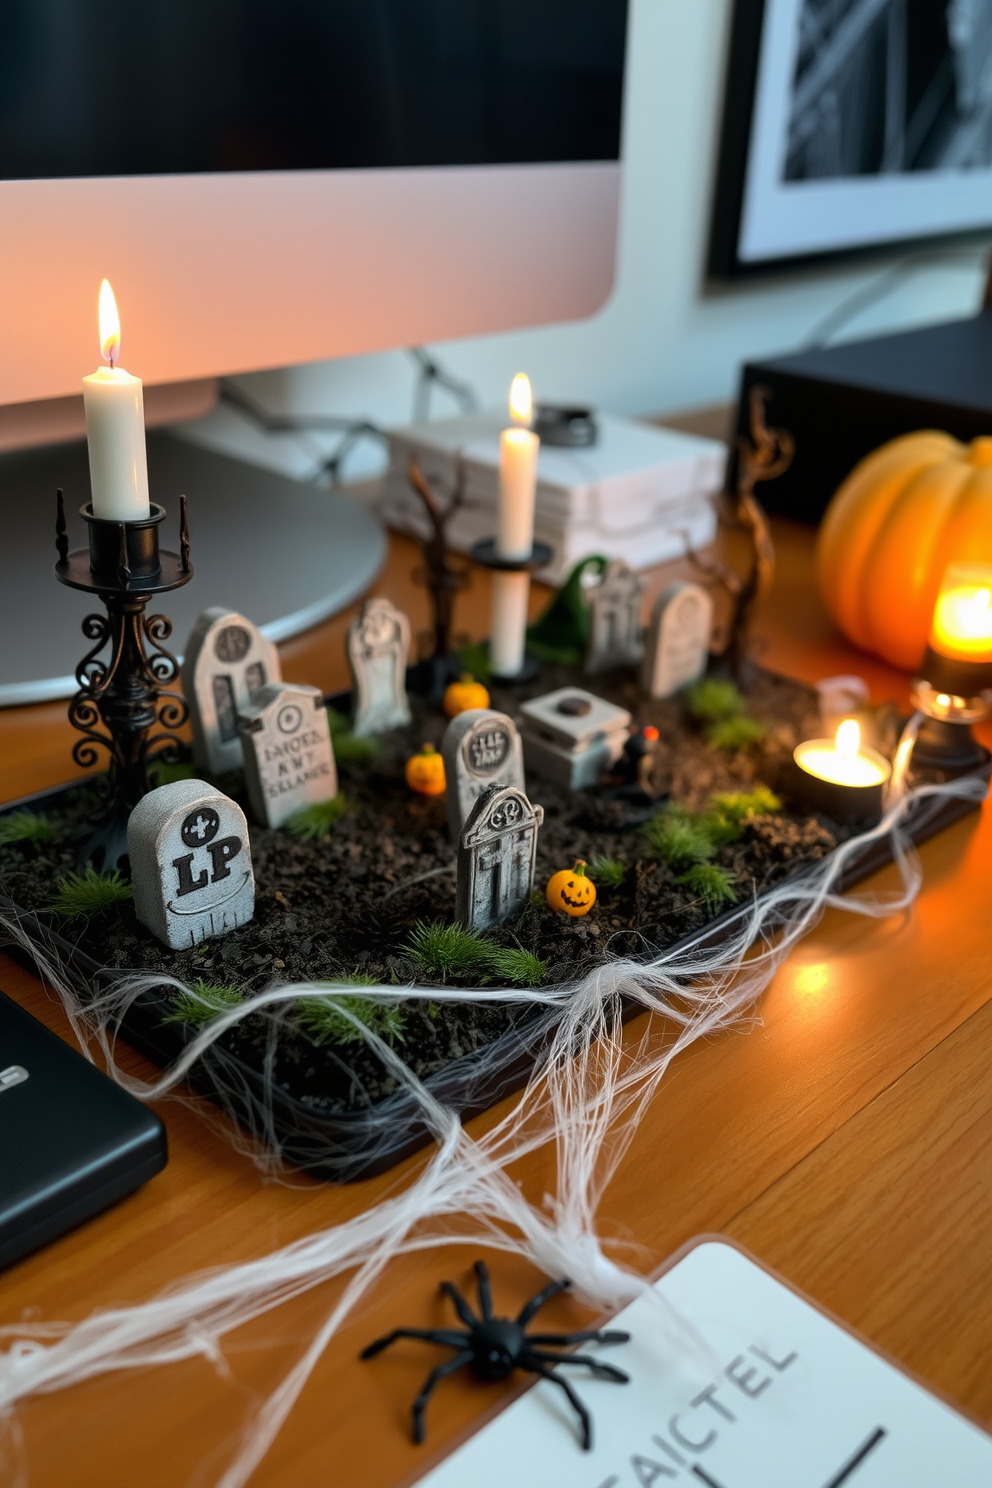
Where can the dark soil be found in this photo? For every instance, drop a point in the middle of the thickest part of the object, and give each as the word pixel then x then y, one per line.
pixel 347 903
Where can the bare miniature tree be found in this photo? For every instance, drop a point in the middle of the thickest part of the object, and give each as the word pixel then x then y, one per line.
pixel 767 454
pixel 440 576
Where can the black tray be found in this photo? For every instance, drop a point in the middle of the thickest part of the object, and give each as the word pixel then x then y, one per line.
pixel 347 1146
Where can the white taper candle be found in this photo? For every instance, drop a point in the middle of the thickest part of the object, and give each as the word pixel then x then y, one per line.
pixel 115 428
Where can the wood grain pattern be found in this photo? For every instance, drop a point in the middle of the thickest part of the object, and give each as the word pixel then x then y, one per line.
pixel 844 1139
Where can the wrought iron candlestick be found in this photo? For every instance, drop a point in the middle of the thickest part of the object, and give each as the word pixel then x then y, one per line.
pixel 123 704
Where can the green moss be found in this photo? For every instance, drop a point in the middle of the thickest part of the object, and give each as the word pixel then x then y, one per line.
pixel 349 748
pixel 677 839
pixel 518 966
pixel 447 950
pixel 25 826
pixel 606 872
pixel 203 1002
pixel 159 773
pixel 317 820
pixel 737 806
pixel 734 734
pixel 711 699
pixel 324 1018
pixel 78 896
pixel 713 885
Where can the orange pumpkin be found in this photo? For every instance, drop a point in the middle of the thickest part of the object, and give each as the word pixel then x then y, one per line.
pixel 425 772
pixel 464 694
pixel 570 890
pixel 907 511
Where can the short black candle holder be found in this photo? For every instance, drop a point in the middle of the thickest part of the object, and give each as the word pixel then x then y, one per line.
pixel 126 692
pixel 953 695
pixel 540 556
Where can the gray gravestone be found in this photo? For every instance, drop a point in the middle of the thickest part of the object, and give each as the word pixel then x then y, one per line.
pixel 678 639
pixel 227 660
pixel 615 633
pixel 497 852
pixel 378 648
pixel 480 748
pixel 190 863
pixel 288 754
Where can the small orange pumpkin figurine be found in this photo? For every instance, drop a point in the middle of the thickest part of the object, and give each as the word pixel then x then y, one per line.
pixel 570 890
pixel 464 694
pixel 425 772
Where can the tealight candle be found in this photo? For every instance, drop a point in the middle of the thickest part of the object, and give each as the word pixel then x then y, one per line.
pixel 518 451
pixel 115 428
pixel 962 618
pixel 840 777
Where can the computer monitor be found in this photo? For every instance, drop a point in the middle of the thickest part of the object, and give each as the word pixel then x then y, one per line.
pixel 267 182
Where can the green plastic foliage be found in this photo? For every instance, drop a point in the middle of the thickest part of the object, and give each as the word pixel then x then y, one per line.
pixel 79 896
pixel 561 634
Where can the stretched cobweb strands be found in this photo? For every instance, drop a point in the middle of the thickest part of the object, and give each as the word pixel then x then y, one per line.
pixel 587 1093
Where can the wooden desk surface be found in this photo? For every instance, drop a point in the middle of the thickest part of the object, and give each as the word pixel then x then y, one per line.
pixel 846 1140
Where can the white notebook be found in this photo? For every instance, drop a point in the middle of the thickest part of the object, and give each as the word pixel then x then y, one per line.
pixel 753 1388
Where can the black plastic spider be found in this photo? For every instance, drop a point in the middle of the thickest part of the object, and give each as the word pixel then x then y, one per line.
pixel 494 1347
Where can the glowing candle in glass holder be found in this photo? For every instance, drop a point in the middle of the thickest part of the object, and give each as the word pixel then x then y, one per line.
pixel 962 618
pixel 840 777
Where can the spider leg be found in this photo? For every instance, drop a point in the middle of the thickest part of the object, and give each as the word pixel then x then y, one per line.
pixel 450 1366
pixel 446 1338
pixel 599 1369
pixel 536 1303
pixel 485 1295
pixel 556 1379
pixel 462 1308
pixel 585 1335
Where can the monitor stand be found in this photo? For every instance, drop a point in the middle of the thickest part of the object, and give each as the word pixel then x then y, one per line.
pixel 285 554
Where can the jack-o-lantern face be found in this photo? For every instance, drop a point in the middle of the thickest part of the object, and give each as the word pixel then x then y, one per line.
pixel 571 891
pixel 425 772
pixel 460 696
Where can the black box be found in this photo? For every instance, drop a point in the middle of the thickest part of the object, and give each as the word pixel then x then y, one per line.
pixel 71 1141
pixel 841 402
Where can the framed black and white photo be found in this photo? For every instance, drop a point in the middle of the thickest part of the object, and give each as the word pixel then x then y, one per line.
pixel 850 124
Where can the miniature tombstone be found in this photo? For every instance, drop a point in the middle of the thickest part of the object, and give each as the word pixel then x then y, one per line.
pixel 378 647
pixel 572 736
pixel 497 852
pixel 227 660
pixel 480 748
pixel 288 754
pixel 190 863
pixel 678 639
pixel 615 633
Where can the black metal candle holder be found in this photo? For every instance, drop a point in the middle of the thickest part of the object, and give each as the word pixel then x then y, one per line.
pixel 127 692
pixel 953 694
pixel 540 556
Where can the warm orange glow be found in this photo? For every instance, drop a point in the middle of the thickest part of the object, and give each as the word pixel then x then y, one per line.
pixel 110 324
pixel 521 401
pixel 962 619
pixel 650 733
pixel 841 760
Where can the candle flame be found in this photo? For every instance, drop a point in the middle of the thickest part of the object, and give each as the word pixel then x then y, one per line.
pixel 110 324
pixel 521 402
pixel 962 620
pixel 849 739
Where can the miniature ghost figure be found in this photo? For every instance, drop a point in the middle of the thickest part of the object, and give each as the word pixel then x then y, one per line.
pixel 497 853
pixel 288 754
pixel 190 863
pixel 615 634
pixel 480 748
pixel 378 647
pixel 677 649
pixel 227 660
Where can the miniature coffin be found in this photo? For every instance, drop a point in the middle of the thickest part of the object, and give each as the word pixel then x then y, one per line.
pixel 227 660
pixel 572 737
pixel 190 863
pixel 288 754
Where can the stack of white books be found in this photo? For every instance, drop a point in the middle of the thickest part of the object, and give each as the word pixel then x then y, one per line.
pixel 641 493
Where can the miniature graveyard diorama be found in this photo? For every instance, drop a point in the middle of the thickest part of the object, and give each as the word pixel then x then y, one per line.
pixel 454 830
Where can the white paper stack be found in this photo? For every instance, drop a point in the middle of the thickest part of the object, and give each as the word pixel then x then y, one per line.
pixel 641 493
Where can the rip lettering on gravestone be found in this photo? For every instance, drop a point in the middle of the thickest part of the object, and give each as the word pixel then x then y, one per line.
pixel 615 632
pixel 497 856
pixel 227 660
pixel 190 863
pixel 678 642
pixel 480 748
pixel 378 649
pixel 288 754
